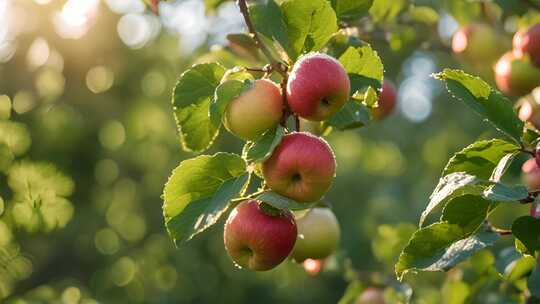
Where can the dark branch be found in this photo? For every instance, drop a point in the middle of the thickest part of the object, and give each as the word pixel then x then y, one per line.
pixel 532 4
pixel 276 65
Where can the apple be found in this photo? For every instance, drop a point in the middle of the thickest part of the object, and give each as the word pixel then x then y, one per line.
pixel 531 174
pixel 516 76
pixel 387 101
pixel 256 239
pixel 478 43
pixel 254 111
pixel 302 167
pixel 529 111
pixel 318 235
pixel 528 42
pixel 371 295
pixel 318 87
pixel 312 267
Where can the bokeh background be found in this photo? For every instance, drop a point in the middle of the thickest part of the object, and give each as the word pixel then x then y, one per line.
pixel 85 110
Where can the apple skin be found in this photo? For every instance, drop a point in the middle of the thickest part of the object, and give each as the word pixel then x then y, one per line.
pixel 318 87
pixel 302 167
pixel 528 42
pixel 318 235
pixel 531 174
pixel 478 43
pixel 256 110
pixel 516 76
pixel 387 101
pixel 371 295
pixel 256 240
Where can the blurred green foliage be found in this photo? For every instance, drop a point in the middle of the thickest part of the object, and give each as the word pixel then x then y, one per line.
pixel 87 141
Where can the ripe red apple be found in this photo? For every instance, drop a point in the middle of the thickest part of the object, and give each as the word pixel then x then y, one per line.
pixel 318 87
pixel 257 240
pixel 387 101
pixel 318 235
pixel 478 43
pixel 516 76
pixel 302 167
pixel 528 42
pixel 312 267
pixel 371 295
pixel 531 174
pixel 256 110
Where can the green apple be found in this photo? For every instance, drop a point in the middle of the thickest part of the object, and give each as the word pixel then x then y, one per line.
pixel 318 235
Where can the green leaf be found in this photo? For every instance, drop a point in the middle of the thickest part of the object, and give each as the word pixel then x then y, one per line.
pixel 5 107
pixel 385 10
pixel 455 292
pixel 351 293
pixel 424 14
pixel 260 150
pixel 527 230
pixel 486 102
pixel 32 177
pixel 459 183
pixel 269 20
pixel 364 67
pixel 192 96
pixel 439 247
pixel 467 211
pixel 463 11
pixel 350 10
pixel 15 136
pixel 225 93
pixel 281 202
pixel 352 115
pixel 243 44
pixel 198 191
pixel 533 282
pixel 481 158
pixel 512 265
pixel 310 24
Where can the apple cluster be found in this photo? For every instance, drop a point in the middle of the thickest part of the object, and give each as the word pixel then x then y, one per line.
pixel 301 167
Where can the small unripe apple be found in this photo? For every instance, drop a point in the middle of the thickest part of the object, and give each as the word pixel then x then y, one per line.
pixel 516 76
pixel 312 267
pixel 318 235
pixel 318 87
pixel 302 167
pixel 529 111
pixel 257 240
pixel 478 43
pixel 531 174
pixel 371 295
pixel 528 42
pixel 256 110
pixel 387 101
pixel 313 127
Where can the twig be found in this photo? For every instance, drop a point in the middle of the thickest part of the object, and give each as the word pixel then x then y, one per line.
pixel 276 65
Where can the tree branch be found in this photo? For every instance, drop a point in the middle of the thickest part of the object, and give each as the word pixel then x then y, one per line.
pixel 276 65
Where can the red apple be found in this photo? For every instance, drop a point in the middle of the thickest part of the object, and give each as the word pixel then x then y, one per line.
pixel 528 42
pixel 318 87
pixel 318 235
pixel 256 110
pixel 371 295
pixel 516 76
pixel 531 174
pixel 302 167
pixel 478 43
pixel 257 240
pixel 387 101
